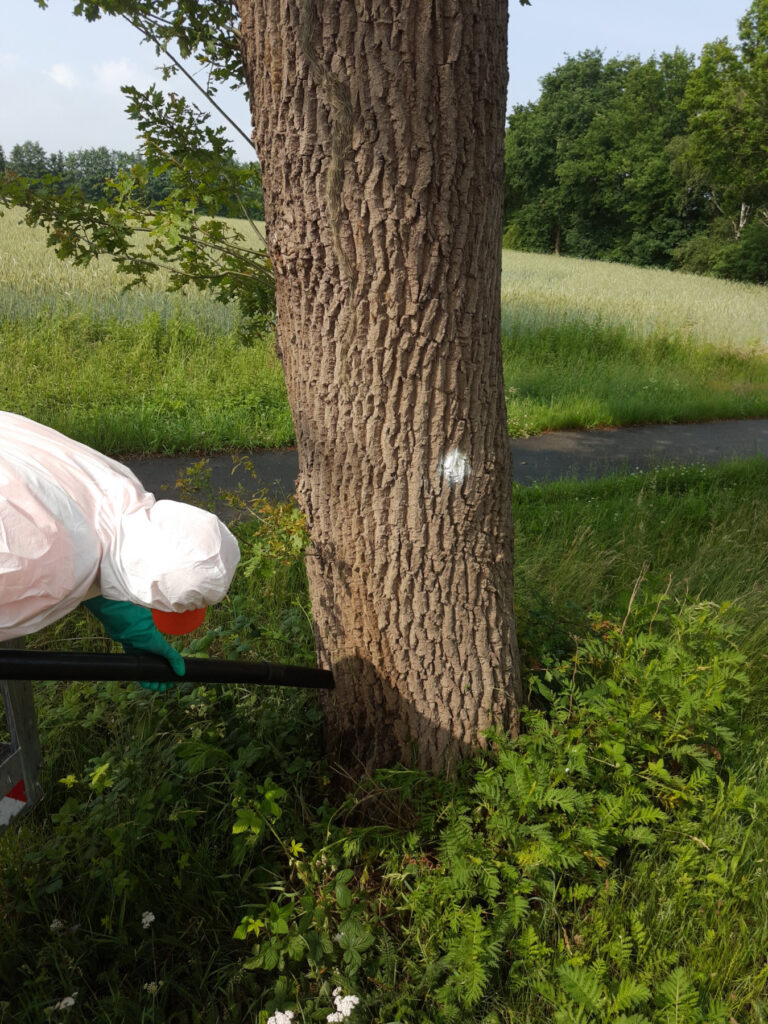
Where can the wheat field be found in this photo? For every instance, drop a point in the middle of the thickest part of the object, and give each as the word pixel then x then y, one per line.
pixel 539 290
pixel 536 290
pixel 33 279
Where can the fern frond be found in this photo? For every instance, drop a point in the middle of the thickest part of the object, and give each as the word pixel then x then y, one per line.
pixel 581 985
pixel 629 994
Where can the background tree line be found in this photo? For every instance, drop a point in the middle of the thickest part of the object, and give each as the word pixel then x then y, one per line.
pixel 91 170
pixel 662 162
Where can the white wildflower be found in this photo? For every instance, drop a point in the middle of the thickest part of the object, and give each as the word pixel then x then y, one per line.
pixel 66 1003
pixel 344 1007
pixel 153 987
pixel 281 1017
pixel 147 918
pixel 57 925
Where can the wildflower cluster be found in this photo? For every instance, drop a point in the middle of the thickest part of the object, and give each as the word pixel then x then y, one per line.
pixel 281 1017
pixel 344 1007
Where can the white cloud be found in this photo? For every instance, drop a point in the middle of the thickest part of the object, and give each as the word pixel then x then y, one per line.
pixel 111 74
pixel 63 75
pixel 11 61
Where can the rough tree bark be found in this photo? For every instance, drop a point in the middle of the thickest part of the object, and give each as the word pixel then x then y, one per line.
pixel 379 125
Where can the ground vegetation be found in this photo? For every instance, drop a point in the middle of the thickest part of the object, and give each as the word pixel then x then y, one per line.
pixel 196 857
pixel 132 372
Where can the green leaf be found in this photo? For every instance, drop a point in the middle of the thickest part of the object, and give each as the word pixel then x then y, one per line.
pixel 580 985
pixel 343 896
pixel 354 935
pixel 678 997
pixel 629 994
pixel 248 820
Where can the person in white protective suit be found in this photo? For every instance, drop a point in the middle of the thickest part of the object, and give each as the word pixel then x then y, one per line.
pixel 76 526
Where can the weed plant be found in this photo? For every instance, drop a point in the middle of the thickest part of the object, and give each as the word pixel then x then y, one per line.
pixel 195 858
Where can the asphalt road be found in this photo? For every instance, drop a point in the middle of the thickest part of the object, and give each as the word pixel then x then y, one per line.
pixel 574 454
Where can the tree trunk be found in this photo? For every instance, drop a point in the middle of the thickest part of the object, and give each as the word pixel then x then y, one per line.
pixel 380 128
pixel 743 218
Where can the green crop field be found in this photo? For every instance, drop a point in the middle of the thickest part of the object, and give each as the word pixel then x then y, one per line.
pixel 34 280
pixel 647 302
pixel 585 344
pixel 590 344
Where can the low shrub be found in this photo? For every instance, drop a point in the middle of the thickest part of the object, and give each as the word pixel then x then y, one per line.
pixel 196 858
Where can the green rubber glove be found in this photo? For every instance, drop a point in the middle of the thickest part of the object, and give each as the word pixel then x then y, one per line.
pixel 134 628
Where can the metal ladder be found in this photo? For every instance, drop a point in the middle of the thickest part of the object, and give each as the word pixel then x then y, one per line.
pixel 20 759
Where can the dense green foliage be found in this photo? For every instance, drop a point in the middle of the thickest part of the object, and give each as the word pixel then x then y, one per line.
pixel 196 859
pixel 660 162
pixel 587 168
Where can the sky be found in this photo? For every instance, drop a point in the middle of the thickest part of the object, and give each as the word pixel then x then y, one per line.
pixel 60 76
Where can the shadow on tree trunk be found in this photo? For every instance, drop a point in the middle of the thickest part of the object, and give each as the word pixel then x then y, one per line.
pixel 397 735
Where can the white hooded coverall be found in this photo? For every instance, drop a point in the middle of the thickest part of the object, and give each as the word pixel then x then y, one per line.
pixel 75 524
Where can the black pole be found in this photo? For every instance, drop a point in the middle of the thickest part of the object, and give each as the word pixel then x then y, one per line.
pixel 26 664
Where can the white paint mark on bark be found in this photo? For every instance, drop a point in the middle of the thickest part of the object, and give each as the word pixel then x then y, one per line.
pixel 454 467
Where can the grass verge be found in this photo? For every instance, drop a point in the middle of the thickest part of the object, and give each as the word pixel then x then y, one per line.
pixel 170 385
pixel 576 375
pixel 148 385
pixel 195 859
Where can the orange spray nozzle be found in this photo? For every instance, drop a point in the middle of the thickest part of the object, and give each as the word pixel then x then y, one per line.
pixel 178 623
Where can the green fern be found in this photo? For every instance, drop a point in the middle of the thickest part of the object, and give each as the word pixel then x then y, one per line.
pixel 629 994
pixel 582 987
pixel 678 999
pixel 469 958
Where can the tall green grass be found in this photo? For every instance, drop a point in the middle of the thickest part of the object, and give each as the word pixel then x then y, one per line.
pixel 147 385
pixel 583 545
pixel 576 375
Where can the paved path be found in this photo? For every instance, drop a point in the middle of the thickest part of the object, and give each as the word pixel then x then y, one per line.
pixel 575 454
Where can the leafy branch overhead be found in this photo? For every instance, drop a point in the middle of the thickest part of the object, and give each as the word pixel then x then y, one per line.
pixel 206 32
pixel 180 233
